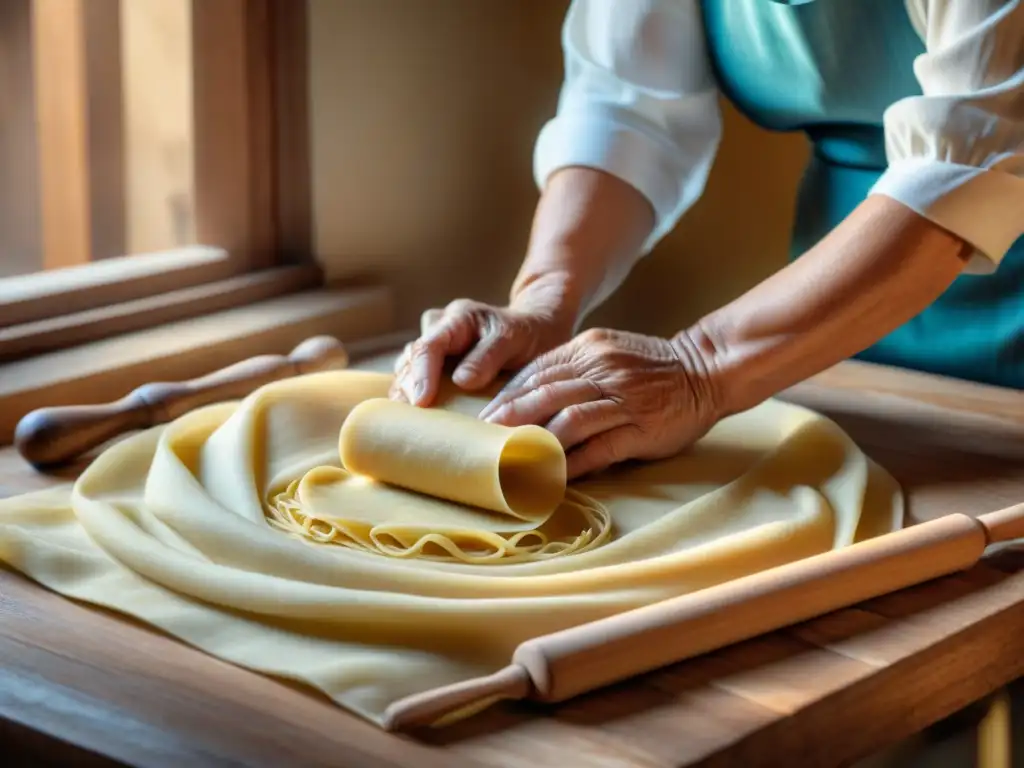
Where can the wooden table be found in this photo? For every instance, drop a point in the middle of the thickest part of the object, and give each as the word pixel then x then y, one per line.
pixel 80 684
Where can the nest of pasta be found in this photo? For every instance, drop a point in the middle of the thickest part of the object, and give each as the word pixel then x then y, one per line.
pixel 440 484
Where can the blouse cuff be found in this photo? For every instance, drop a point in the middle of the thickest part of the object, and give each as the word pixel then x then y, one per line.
pixel 605 140
pixel 983 207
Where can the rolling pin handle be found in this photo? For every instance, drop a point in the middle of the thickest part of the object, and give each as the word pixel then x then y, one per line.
pixel 433 707
pixel 52 436
pixel 1004 524
pixel 56 435
pixel 319 353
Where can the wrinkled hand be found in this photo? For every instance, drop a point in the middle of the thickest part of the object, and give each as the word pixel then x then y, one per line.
pixel 488 340
pixel 610 396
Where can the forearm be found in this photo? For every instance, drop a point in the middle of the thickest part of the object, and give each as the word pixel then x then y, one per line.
pixel 588 229
pixel 879 268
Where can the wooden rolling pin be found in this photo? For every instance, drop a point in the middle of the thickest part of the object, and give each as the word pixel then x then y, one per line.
pixel 52 436
pixel 564 664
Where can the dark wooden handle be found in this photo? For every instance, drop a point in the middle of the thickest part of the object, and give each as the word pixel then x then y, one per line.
pixel 53 436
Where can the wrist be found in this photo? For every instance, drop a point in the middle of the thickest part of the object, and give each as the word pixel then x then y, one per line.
pixel 700 354
pixel 880 267
pixel 552 294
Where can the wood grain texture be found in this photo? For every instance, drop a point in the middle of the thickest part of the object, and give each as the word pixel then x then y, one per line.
pixel 105 370
pixel 63 331
pixel 58 45
pixel 823 693
pixel 77 64
pixel 105 127
pixel 20 232
pixel 926 410
pixel 289 29
pixel 46 295
pixel 233 153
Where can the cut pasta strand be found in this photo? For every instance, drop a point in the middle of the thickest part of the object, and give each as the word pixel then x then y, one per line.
pixel 286 512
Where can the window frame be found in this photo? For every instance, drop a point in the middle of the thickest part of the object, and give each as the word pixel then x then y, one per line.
pixel 92 332
pixel 253 208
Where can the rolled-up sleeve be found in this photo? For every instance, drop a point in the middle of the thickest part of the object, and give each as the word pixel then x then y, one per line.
pixel 638 101
pixel 956 152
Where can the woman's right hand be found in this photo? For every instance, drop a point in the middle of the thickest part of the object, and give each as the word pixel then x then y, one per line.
pixel 486 339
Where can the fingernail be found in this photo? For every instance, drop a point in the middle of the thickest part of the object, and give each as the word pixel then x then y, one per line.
pixel 419 391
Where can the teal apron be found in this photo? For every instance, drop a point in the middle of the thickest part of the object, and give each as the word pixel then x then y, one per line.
pixel 830 68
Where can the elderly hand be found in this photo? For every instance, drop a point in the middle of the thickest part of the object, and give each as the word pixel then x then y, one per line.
pixel 610 396
pixel 488 340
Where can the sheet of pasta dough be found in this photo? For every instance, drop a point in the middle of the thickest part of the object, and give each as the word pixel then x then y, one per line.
pixel 170 526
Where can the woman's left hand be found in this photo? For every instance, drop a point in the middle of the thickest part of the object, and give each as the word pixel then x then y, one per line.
pixel 610 396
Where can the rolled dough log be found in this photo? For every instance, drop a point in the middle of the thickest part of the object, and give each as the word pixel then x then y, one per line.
pixel 520 472
pixel 170 526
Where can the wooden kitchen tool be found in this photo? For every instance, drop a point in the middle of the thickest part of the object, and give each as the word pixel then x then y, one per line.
pixel 565 664
pixel 58 435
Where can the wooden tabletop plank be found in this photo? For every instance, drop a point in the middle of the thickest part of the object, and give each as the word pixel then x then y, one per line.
pixel 644 723
pixel 858 634
pixel 824 693
pixel 898 409
pixel 915 388
pixel 924 661
pixel 107 684
pixel 799 675
pixel 515 737
pixel 953 670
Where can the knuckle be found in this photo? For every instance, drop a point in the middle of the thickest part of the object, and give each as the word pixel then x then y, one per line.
pixel 594 336
pixel 549 360
pixel 443 335
pixel 528 380
pixel 619 378
pixel 429 319
pixel 543 393
pixel 573 419
pixel 512 408
pixel 461 306
pixel 503 329
pixel 523 376
pixel 596 390
pixel 493 343
pixel 471 365
pixel 426 346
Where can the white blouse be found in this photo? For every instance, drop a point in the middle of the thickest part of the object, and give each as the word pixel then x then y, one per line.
pixel 640 101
